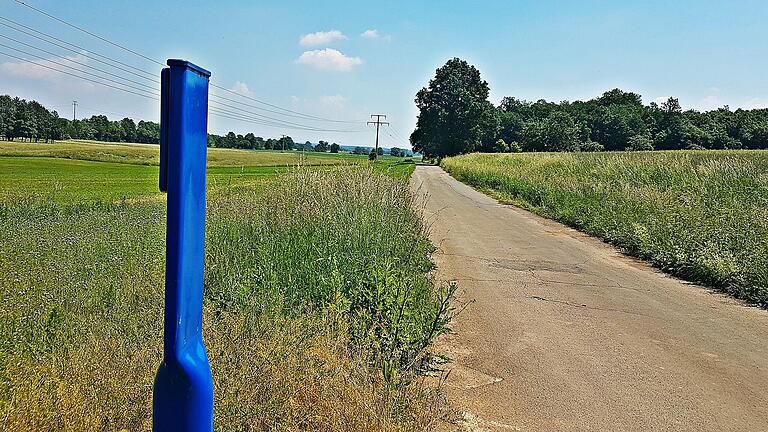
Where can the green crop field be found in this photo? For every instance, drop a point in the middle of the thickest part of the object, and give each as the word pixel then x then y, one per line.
pixel 318 304
pixel 148 154
pixel 66 172
pixel 701 215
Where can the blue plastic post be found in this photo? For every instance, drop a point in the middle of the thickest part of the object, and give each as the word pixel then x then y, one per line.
pixel 183 392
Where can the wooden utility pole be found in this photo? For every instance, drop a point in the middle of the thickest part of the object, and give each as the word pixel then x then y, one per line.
pixel 378 124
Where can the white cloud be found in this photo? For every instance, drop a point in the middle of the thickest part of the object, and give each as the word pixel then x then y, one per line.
pixel 335 102
pixel 43 69
pixel 328 59
pixel 374 34
pixel 241 88
pixel 321 38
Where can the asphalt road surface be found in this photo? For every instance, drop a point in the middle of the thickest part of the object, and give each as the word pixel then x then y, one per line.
pixel 563 333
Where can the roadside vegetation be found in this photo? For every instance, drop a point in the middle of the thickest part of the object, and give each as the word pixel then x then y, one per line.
pixel 319 308
pixel 700 215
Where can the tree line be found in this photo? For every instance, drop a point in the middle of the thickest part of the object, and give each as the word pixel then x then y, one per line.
pixel 250 141
pixel 31 121
pixel 455 117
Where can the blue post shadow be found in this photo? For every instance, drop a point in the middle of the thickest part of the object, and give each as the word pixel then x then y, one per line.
pixel 183 391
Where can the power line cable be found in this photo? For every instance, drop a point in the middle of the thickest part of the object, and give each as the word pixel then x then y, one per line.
pixel 296 113
pixel 77 76
pixel 88 32
pixel 73 61
pixel 260 121
pixel 282 123
pixel 303 115
pixel 143 88
pixel 263 116
pixel 79 50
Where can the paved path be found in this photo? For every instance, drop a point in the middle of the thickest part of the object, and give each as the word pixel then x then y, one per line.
pixel 565 334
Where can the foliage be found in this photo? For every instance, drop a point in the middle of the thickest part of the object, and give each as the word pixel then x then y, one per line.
pixel 697 214
pixel 455 118
pixel 316 283
pixel 28 119
pixel 640 143
pixel 398 152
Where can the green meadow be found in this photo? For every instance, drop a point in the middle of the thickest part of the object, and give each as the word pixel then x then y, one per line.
pixel 319 308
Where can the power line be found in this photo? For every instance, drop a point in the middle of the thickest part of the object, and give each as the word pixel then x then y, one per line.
pixel 88 32
pixel 261 116
pixel 79 50
pixel 70 60
pixel 221 112
pixel 296 113
pixel 77 76
pixel 378 123
pixel 140 91
pixel 284 110
pixel 153 90
pixel 143 89
pixel 259 121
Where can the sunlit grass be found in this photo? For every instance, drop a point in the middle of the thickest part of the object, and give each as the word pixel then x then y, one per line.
pixel 149 154
pixel 318 304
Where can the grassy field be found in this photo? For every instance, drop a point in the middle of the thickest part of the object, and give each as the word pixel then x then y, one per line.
pixel 318 304
pixel 65 172
pixel 701 215
pixel 148 154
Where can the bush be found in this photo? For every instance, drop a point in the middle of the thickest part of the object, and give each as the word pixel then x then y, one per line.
pixel 640 143
pixel 591 146
pixel 500 146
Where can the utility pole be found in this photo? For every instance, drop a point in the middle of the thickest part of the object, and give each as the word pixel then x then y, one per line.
pixel 74 110
pixel 282 141
pixel 378 124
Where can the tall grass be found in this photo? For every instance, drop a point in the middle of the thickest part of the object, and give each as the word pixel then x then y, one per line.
pixel 701 215
pixel 318 308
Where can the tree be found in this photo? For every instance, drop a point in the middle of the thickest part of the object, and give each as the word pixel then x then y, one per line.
pixel 334 148
pixel 454 112
pixel 129 129
pixel 558 132
pixel 322 146
pixel 397 152
pixel 285 143
pixel 360 151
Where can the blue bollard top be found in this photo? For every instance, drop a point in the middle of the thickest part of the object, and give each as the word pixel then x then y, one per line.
pixel 188 65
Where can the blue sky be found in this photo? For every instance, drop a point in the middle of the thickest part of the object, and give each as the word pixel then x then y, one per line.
pixel 707 53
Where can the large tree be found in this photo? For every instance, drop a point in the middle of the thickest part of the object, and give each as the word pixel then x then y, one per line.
pixel 454 113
